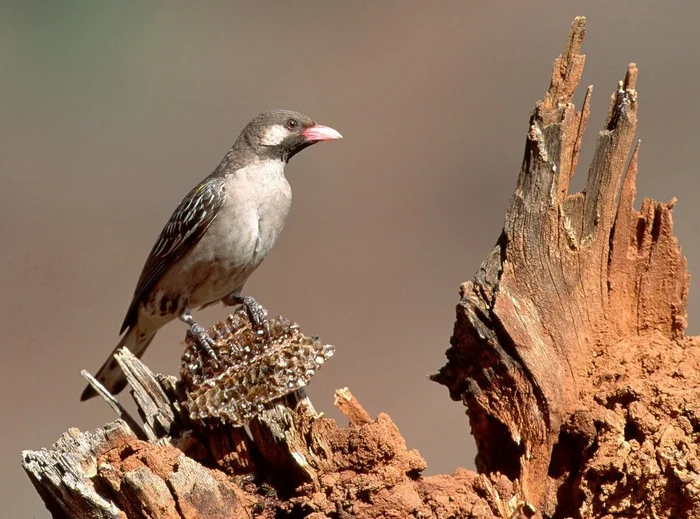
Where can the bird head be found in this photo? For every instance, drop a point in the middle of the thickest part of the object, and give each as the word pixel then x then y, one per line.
pixel 281 134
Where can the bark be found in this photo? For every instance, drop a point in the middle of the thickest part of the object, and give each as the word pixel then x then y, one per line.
pixel 568 351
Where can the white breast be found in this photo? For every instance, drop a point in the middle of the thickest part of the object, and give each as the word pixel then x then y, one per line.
pixel 257 203
pixel 258 199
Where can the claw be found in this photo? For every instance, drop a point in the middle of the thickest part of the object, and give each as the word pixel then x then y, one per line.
pixel 258 315
pixel 200 335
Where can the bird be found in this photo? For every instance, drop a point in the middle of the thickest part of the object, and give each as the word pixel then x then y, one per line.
pixel 216 238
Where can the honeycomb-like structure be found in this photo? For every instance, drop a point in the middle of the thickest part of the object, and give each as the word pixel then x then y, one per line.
pixel 250 371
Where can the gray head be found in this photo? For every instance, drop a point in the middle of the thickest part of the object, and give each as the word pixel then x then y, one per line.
pixel 281 134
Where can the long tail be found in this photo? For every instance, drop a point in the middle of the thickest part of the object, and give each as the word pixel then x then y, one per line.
pixel 110 374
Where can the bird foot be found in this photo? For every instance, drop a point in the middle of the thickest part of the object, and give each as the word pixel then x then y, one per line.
pixel 258 315
pixel 204 341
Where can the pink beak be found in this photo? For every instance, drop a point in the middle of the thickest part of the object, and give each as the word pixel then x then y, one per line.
pixel 321 133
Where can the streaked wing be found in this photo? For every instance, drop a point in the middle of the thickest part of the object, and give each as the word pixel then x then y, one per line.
pixel 186 226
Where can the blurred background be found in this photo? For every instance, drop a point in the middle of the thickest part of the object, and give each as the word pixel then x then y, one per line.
pixel 111 112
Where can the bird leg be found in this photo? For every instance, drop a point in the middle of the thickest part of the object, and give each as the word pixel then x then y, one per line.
pixel 198 333
pixel 256 311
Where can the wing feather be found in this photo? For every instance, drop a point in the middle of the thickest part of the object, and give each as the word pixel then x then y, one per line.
pixel 186 226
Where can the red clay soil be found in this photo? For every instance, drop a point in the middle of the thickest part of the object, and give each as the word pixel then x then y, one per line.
pixel 635 438
pixel 373 476
pixel 639 428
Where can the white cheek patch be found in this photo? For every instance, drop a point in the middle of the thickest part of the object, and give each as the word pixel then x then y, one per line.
pixel 274 135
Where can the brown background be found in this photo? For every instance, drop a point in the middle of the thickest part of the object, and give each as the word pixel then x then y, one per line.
pixel 110 113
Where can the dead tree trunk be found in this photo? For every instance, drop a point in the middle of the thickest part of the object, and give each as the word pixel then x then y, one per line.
pixel 569 342
pixel 568 351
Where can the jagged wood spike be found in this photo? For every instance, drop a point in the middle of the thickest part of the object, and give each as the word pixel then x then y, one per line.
pixel 116 406
pixel 153 403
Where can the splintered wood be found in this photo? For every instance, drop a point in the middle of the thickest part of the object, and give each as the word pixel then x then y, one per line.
pixel 350 407
pixel 190 460
pixel 572 277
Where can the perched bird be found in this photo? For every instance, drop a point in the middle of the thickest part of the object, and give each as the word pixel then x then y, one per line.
pixel 217 237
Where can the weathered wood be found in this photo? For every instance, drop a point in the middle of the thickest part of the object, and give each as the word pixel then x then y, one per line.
pixel 153 404
pixel 113 474
pixel 62 475
pixel 571 277
pixel 292 440
pixel 116 406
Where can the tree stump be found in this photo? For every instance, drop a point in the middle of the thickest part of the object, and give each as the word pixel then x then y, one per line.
pixel 582 299
pixel 568 351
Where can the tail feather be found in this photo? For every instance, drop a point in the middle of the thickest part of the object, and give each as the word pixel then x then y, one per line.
pixel 110 374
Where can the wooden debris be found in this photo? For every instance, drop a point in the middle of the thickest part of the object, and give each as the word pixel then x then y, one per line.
pixel 350 407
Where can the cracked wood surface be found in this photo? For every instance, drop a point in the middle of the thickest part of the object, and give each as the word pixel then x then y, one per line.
pixel 570 274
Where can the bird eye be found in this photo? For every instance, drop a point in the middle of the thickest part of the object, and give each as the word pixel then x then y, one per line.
pixel 292 124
